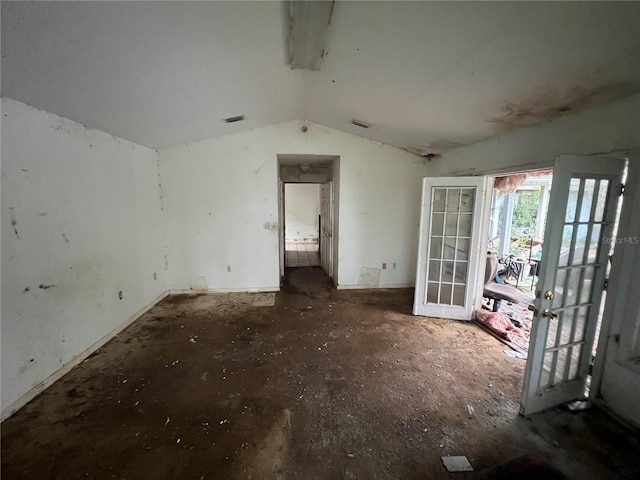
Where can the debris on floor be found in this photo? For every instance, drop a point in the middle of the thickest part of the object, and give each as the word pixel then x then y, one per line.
pixel 515 354
pixel 578 405
pixel 500 325
pixel 270 393
pixel 264 299
pixel 457 464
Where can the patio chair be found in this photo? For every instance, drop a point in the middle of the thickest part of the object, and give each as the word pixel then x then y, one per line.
pixel 496 291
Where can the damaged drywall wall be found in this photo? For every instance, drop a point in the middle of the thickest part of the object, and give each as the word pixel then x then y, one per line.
pixel 82 243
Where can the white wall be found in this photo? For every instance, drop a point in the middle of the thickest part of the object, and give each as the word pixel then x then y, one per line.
pixel 81 220
pixel 220 194
pixel 302 207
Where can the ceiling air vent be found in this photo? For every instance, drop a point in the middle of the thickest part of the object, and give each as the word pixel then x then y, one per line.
pixel 239 118
pixel 360 123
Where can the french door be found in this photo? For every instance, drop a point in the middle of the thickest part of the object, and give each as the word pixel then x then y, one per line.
pixel 453 230
pixel 582 210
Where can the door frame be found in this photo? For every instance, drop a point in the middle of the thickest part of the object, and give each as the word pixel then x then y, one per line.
pixel 607 362
pixel 332 176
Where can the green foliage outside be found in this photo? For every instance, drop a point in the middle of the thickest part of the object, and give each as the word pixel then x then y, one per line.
pixel 526 212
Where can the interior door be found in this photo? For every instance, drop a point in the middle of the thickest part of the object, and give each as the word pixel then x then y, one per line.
pixel 281 227
pixel 326 227
pixel 453 224
pixel 582 209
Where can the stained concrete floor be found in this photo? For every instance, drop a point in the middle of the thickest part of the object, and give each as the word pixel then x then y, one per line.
pixel 324 384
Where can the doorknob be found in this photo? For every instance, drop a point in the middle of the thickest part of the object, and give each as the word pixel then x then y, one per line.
pixel 545 313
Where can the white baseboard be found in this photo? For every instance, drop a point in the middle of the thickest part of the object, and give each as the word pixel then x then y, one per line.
pixel 180 291
pixel 75 361
pixel 375 287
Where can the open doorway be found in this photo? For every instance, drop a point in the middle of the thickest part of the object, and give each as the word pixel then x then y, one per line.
pixel 515 246
pixel 582 213
pixel 302 224
pixel 308 205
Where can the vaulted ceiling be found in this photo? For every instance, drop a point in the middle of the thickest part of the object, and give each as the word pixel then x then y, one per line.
pixel 427 76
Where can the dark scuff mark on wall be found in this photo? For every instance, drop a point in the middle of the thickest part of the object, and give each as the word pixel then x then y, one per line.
pixel 536 110
pixel 26 289
pixel 64 237
pixel 438 146
pixel 14 223
pixel 42 286
pixel 257 170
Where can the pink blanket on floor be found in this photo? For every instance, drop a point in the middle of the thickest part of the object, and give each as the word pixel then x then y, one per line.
pixel 500 324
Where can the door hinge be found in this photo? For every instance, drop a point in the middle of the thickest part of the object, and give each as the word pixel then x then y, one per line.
pixel 606 284
pixel 622 189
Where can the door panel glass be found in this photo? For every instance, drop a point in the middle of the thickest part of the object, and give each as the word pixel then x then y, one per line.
pixel 462 252
pixel 445 293
pixel 461 272
pixel 585 209
pixel 435 247
pixel 581 323
pixel 449 252
pixel 449 245
pixel 453 200
pixel 434 270
pixel 580 241
pixel 558 296
pixel 571 287
pixel 546 369
pixel 574 188
pixel 451 224
pixel 437 225
pixel 458 295
pixel 567 326
pixel 447 271
pixel 594 242
pixel 603 191
pixel 432 292
pixel 587 284
pixel 439 198
pixel 561 362
pixel 467 200
pixel 567 235
pixel 466 220
pixel 552 333
pixel 576 353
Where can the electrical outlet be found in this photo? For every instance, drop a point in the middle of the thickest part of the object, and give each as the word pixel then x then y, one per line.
pixel 120 295
pixel 228 268
pixel 384 266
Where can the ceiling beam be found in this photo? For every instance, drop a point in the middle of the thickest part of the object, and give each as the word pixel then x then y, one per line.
pixel 309 22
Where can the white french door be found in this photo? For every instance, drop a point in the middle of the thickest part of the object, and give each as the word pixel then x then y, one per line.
pixel 582 209
pixel 452 236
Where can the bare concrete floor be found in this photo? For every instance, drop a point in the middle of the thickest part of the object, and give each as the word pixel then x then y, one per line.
pixel 324 385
